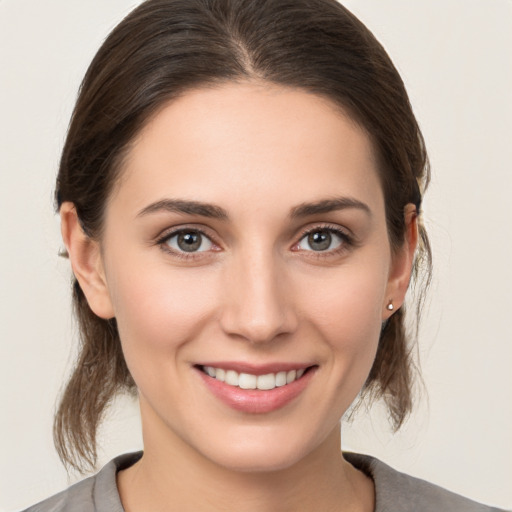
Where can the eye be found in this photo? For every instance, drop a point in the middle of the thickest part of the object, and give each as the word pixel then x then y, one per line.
pixel 189 240
pixel 322 240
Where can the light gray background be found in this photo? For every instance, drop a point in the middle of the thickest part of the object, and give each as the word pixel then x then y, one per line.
pixel 455 57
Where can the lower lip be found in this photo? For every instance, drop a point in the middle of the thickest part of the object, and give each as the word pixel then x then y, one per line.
pixel 255 401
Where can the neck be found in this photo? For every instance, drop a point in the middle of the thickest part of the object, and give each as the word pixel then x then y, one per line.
pixel 173 476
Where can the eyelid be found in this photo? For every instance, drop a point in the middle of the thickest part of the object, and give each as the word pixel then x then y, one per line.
pixel 173 242
pixel 349 240
pixel 180 228
pixel 162 239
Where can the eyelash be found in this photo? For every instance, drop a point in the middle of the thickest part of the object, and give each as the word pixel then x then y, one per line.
pixel 163 242
pixel 347 242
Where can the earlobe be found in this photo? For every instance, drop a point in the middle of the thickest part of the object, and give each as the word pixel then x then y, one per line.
pixel 402 264
pixel 86 262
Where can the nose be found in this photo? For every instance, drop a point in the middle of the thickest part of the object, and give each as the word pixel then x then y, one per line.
pixel 258 301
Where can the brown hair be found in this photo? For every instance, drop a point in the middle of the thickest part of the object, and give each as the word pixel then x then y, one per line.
pixel 162 49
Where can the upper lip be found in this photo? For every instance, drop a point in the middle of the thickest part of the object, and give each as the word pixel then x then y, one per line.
pixel 256 369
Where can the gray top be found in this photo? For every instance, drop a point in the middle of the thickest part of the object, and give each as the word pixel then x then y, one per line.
pixel 394 491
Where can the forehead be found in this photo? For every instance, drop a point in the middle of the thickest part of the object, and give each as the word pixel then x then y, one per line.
pixel 249 141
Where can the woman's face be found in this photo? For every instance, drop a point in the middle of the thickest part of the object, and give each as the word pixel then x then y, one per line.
pixel 247 238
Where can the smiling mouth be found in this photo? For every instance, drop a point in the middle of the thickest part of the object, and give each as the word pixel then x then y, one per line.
pixel 265 382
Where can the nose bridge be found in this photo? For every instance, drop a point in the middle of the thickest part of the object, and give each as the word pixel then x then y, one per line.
pixel 257 306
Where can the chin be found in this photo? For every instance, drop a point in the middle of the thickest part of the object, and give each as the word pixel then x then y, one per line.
pixel 261 451
pixel 262 460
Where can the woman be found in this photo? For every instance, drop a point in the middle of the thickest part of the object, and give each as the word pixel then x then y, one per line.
pixel 240 197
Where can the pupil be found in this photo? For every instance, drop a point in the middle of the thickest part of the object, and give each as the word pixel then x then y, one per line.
pixel 189 242
pixel 319 240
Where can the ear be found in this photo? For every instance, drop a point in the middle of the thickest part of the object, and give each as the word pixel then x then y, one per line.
pixel 86 261
pixel 401 265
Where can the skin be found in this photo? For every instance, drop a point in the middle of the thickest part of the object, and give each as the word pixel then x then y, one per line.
pixel 259 292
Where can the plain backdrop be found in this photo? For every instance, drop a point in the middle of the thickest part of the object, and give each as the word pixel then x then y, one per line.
pixel 456 59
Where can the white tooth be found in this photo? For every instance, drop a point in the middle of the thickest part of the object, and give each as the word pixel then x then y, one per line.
pixel 290 376
pixel 280 379
pixel 231 378
pixel 220 374
pixel 266 381
pixel 300 372
pixel 247 381
pixel 210 371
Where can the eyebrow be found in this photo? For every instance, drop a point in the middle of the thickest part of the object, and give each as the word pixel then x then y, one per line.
pixel 182 206
pixel 329 205
pixel 216 212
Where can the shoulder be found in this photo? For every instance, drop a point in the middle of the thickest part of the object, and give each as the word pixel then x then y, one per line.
pixel 398 492
pixel 78 497
pixel 94 494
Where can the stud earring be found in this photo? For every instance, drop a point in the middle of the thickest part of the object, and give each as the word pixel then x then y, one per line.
pixel 390 306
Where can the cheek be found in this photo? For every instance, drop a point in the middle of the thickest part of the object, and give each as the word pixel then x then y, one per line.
pixel 349 301
pixel 345 312
pixel 159 308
